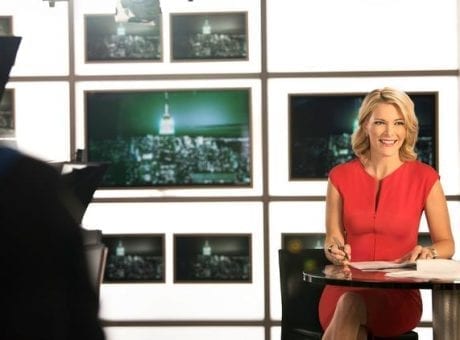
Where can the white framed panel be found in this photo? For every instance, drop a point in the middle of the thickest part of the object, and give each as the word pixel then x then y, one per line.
pixel 184 332
pixel 424 333
pixel 275 332
pixel 42 119
pixel 335 35
pixel 179 301
pixel 304 217
pixel 427 312
pixel 454 213
pixel 309 217
pixel 44 48
pixel 255 126
pixel 278 127
pixel 252 65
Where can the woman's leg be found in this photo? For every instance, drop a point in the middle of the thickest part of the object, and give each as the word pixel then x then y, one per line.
pixel 349 320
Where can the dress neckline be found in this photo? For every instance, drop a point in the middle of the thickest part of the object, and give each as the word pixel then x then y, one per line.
pixel 361 165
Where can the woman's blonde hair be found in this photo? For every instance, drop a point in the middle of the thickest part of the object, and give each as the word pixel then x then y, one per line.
pixel 403 103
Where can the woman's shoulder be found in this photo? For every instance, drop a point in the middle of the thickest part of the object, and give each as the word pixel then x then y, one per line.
pixel 345 172
pixel 421 167
pixel 420 171
pixel 349 166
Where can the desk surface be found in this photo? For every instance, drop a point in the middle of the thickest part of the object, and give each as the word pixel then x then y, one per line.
pixel 346 276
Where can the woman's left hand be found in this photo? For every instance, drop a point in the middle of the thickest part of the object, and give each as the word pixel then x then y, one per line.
pixel 418 253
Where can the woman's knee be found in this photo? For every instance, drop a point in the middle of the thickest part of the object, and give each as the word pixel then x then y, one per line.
pixel 352 303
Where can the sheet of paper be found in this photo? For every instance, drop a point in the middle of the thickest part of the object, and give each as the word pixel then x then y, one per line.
pixel 438 266
pixel 378 265
pixel 424 275
pixel 443 269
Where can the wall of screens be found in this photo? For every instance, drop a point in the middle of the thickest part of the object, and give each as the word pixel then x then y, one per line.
pixel 217 118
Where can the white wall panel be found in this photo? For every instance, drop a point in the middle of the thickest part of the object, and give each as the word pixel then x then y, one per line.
pixel 42 119
pixel 425 333
pixel 44 49
pixel 278 128
pixel 255 124
pixel 176 301
pixel 275 332
pixel 361 35
pixel 309 217
pixel 454 212
pixel 189 333
pixel 289 217
pixel 251 65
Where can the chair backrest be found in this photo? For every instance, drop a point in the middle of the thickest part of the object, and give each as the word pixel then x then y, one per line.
pixel 299 300
pixel 96 255
pixel 9 46
pixel 91 236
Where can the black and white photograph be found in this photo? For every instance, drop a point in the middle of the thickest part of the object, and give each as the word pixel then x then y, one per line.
pixel 126 40
pixel 6 25
pixel 321 126
pixel 212 258
pixel 209 36
pixel 170 138
pixel 7 119
pixel 134 258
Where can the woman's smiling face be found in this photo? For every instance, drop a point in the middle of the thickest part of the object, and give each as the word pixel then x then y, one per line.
pixel 386 129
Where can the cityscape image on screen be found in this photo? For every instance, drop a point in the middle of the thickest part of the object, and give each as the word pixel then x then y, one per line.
pixel 321 125
pixel 170 138
pixel 205 258
pixel 7 129
pixel 109 40
pixel 209 36
pixel 134 258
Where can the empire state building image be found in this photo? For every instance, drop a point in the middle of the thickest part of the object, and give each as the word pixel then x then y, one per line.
pixel 166 152
pixel 171 138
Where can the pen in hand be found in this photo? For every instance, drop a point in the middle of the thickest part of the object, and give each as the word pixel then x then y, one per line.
pixel 341 247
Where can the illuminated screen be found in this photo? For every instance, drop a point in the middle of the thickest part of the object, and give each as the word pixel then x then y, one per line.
pixel 321 126
pixel 211 258
pixel 170 138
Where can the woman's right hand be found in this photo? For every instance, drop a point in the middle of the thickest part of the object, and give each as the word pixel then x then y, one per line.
pixel 339 255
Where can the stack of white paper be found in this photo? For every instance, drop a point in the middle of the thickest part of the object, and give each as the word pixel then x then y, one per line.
pixel 444 269
pixel 380 265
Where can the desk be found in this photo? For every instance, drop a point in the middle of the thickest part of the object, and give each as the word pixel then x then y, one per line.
pixel 445 293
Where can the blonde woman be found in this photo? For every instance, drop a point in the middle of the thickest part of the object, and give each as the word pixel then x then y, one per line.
pixel 374 204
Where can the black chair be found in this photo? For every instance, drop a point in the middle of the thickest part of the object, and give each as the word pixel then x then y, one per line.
pixel 96 256
pixel 91 236
pixel 299 300
pixel 9 46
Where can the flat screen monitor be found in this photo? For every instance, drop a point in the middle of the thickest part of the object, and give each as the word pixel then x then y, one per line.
pixel 321 125
pixel 170 138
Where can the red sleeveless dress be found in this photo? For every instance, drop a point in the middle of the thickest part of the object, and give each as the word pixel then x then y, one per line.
pixel 381 228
